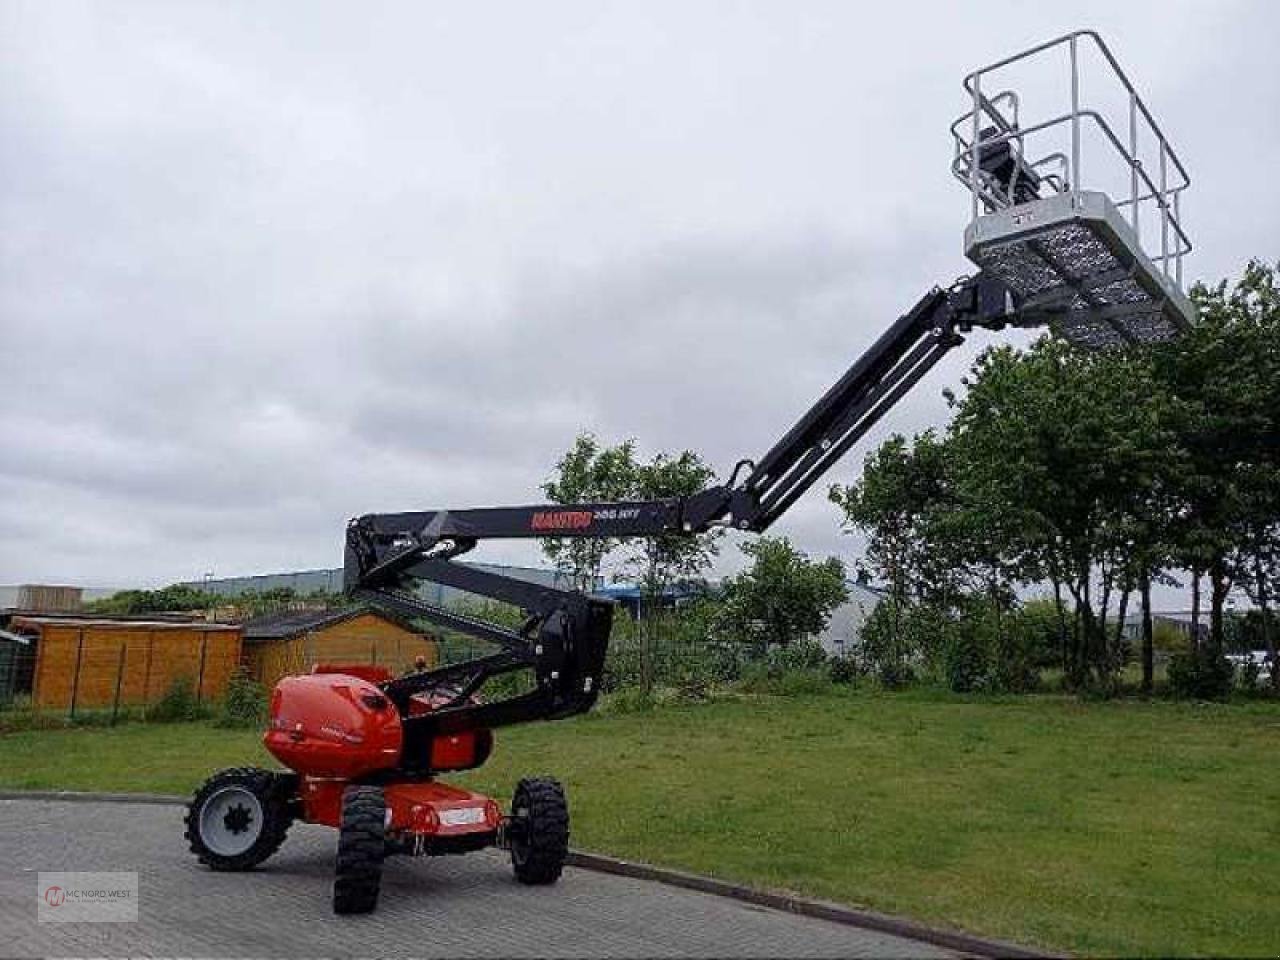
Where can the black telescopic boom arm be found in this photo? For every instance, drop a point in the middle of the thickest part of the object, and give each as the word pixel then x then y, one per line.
pixel 566 635
pixel 858 400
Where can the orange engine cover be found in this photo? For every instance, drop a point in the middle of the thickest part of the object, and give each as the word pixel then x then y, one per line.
pixel 333 725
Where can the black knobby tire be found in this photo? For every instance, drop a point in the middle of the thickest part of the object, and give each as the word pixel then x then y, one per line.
pixel 362 844
pixel 539 830
pixel 239 817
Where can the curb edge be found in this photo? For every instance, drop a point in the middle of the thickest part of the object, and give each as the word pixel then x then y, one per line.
pixel 818 909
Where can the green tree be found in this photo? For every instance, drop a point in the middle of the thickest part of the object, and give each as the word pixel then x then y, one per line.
pixel 658 562
pixel 783 596
pixel 1253 305
pixel 1222 379
pixel 905 490
pixel 1063 451
pixel 587 473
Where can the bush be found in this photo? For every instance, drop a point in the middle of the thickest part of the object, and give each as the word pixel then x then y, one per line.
pixel 245 702
pixel 1168 638
pixel 1202 674
pixel 178 704
pixel 679 650
pixel 800 683
pixel 842 670
pixel 1020 652
pixel 964 659
pixel 801 655
pixel 695 687
pixel 23 716
pixel 104 717
pixel 967 649
pixel 889 644
pixel 1039 630
pixel 701 665
pixel 725 661
pixel 896 676
pixel 621 666
pixel 629 700
pixel 786 673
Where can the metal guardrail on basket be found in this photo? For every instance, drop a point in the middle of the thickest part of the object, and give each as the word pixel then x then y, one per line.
pixel 1072 256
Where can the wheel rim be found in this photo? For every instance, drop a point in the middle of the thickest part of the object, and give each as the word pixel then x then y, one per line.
pixel 231 821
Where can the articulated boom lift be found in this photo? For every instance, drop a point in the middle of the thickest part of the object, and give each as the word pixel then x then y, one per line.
pixel 364 749
pixel 565 637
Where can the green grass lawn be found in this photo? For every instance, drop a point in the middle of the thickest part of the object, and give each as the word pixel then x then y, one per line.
pixel 1102 828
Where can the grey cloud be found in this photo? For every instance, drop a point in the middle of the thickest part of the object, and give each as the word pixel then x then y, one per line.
pixel 264 268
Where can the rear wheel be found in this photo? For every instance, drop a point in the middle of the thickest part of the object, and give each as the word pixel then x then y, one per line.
pixel 539 830
pixel 362 844
pixel 239 817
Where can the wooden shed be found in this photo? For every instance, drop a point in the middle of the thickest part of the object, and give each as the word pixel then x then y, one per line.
pixel 80 661
pixel 282 644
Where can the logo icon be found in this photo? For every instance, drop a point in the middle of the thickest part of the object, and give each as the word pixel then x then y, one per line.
pixel 55 896
pixel 561 520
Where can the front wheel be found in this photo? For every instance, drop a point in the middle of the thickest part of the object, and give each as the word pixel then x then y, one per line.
pixel 539 830
pixel 239 817
pixel 362 844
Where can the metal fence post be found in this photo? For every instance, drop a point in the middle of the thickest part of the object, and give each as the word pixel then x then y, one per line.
pixel 146 673
pixel 115 704
pixel 204 645
pixel 75 677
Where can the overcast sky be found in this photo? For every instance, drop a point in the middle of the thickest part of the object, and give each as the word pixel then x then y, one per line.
pixel 264 267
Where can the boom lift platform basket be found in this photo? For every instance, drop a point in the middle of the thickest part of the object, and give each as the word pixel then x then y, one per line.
pixel 1073 257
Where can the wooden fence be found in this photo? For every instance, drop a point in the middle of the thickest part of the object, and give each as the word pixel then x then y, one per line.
pixel 85 664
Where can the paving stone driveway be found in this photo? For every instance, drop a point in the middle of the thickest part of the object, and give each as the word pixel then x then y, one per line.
pixel 450 906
